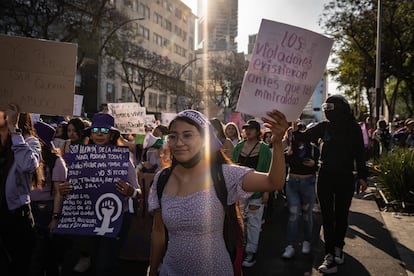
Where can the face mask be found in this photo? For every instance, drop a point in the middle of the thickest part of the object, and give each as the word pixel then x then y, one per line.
pixel 336 109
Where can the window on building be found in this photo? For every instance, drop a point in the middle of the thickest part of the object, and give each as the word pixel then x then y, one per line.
pixel 110 92
pixel 126 94
pixel 163 102
pixel 130 75
pixel 144 32
pixel 144 11
pixel 157 18
pixel 152 100
pixel 180 50
pixel 190 42
pixel 178 13
pixel 177 30
pixel 167 43
pixel 110 69
pixel 168 25
pixel 157 39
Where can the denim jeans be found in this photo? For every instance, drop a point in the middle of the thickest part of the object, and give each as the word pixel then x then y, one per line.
pixel 253 223
pixel 301 194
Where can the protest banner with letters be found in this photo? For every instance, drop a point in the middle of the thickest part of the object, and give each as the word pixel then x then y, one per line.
pixel 129 117
pixel 286 65
pixel 150 121
pixel 167 117
pixel 94 207
pixel 38 75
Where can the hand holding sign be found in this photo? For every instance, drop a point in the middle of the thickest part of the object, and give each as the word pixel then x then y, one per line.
pixel 286 65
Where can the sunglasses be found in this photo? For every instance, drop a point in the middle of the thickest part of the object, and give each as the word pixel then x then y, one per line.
pixel 328 106
pixel 102 130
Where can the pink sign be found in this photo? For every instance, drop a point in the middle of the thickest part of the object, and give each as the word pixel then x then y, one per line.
pixel 286 65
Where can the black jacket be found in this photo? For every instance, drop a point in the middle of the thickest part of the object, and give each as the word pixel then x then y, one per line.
pixel 342 147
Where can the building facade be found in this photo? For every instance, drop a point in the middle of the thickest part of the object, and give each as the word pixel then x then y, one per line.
pixel 164 29
pixel 217 25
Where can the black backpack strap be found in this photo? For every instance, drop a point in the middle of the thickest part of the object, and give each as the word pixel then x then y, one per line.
pixel 233 230
pixel 162 181
pixel 219 184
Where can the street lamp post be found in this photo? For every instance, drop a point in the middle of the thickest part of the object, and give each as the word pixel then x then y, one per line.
pixel 180 72
pixel 378 64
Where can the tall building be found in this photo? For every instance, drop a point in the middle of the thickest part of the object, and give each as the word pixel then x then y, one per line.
pixel 164 28
pixel 217 25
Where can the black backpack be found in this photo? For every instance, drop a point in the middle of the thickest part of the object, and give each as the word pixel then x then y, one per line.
pixel 233 231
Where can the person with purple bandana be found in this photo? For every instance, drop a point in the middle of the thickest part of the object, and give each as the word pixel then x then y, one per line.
pixel 189 209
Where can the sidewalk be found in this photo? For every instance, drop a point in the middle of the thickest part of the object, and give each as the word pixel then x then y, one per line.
pixel 376 244
pixel 401 227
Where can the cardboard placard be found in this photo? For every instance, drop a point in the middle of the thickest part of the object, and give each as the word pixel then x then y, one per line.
pixel 94 207
pixel 287 63
pixel 38 75
pixel 129 117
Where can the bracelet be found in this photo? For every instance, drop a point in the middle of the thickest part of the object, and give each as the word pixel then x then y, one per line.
pixel 134 194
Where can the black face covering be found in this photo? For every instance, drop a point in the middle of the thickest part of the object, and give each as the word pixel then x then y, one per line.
pixel 341 111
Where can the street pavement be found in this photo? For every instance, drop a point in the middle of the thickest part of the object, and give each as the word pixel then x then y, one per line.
pixel 377 243
pixel 370 249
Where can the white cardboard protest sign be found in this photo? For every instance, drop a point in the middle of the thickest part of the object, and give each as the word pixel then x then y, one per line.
pixel 150 120
pixel 129 117
pixel 286 65
pixel 166 118
pixel 38 75
pixel 77 104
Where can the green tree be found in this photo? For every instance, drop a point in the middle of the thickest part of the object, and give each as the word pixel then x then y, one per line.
pixel 80 21
pixel 227 74
pixel 352 23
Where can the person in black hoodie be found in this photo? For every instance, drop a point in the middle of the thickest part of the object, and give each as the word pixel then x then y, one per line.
pixel 342 152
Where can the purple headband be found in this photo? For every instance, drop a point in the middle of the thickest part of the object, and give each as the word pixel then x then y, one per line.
pixel 202 121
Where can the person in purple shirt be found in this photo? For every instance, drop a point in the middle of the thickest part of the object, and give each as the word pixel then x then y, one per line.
pixel 20 155
pixel 106 250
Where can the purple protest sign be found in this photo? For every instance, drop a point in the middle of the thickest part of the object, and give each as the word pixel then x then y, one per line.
pixel 94 207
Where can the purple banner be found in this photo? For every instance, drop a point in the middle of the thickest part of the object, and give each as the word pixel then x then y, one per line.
pixel 94 207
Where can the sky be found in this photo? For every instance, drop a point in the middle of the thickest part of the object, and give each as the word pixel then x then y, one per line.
pixel 300 13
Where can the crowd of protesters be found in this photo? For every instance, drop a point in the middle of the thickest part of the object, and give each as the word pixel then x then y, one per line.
pixel 33 181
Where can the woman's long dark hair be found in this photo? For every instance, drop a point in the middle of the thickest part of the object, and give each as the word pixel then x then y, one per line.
pixel 26 125
pixel 64 126
pixel 79 127
pixel 218 126
pixel 49 157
